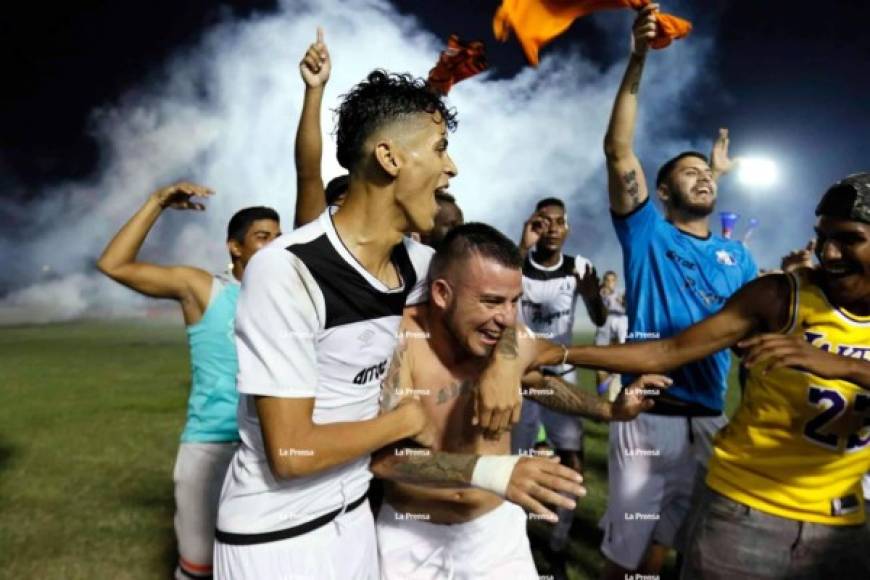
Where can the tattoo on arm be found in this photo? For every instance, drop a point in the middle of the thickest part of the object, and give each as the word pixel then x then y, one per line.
pixel 632 188
pixel 435 469
pixel 558 395
pixel 635 74
pixel 507 344
pixel 391 385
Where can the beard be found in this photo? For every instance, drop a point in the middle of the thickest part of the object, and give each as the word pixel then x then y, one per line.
pixel 680 203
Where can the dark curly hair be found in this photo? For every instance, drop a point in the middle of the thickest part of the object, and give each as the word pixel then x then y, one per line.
pixel 382 98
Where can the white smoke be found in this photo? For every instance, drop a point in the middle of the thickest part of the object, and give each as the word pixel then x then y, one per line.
pixel 224 114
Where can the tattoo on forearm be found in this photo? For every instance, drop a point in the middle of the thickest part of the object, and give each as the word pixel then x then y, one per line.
pixel 634 73
pixel 507 344
pixel 391 385
pixel 629 183
pixel 558 395
pixel 443 469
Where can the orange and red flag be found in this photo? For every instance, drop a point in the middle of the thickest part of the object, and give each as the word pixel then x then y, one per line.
pixel 537 22
pixel 459 61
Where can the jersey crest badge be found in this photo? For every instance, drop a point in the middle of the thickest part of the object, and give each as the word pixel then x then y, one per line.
pixel 723 257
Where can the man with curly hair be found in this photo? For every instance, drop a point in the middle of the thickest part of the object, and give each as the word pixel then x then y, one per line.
pixel 316 326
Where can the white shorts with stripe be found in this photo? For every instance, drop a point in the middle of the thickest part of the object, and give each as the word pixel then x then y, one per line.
pixel 199 474
pixel 653 465
pixel 343 549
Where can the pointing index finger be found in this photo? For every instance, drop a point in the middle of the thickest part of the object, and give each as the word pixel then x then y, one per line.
pixel 319 34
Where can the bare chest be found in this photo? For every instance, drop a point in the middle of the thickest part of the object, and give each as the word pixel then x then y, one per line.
pixel 448 398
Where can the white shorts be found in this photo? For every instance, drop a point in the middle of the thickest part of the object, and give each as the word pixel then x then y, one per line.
pixel 493 546
pixel 563 431
pixel 199 474
pixel 652 469
pixel 613 331
pixel 343 549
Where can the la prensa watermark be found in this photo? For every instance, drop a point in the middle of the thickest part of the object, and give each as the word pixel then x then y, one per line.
pixel 292 452
pixel 408 516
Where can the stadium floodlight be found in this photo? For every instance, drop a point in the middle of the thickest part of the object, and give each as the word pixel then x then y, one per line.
pixel 757 171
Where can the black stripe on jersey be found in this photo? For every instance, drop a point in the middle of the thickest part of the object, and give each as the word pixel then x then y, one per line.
pixel 348 296
pixel 564 271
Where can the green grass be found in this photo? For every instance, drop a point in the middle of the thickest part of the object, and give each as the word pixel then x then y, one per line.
pixel 90 415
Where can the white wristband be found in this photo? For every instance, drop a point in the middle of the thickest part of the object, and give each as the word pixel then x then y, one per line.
pixel 493 472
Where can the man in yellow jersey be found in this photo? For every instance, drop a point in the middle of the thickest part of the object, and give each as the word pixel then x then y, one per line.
pixel 783 490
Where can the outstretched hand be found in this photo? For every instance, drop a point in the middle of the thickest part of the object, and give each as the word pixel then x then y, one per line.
pixel 720 162
pixel 637 397
pixel 316 64
pixel 178 196
pixel 774 351
pixel 588 285
pixel 536 481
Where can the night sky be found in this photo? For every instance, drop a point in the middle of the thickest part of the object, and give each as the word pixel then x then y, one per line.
pixel 787 77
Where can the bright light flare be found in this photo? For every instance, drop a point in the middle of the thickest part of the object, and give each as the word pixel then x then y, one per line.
pixel 757 172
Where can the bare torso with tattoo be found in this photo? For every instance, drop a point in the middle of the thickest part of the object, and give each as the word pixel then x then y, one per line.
pixel 447 395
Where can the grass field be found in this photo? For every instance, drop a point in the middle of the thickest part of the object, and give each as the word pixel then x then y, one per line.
pixel 90 415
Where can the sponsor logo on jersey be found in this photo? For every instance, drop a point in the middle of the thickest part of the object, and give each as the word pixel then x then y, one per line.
pixel 723 257
pixel 820 341
pixel 366 336
pixel 543 316
pixel 688 268
pixel 371 373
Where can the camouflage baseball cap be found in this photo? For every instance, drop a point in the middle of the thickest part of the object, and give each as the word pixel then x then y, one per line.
pixel 848 199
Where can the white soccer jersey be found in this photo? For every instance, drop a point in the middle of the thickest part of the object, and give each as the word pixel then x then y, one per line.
pixel 311 322
pixel 614 302
pixel 550 297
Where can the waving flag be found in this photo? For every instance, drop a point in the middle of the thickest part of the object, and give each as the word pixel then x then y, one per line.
pixel 537 22
pixel 459 61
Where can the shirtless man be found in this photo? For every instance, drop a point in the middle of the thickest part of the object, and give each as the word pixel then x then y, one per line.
pixel 475 286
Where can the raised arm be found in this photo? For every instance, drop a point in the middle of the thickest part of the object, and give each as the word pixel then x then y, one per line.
pixel 720 162
pixel 760 306
pixel 532 230
pixel 310 197
pixel 191 286
pixel 626 183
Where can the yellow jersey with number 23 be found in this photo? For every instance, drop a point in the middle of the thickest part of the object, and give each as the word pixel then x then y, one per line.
pixel 798 444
